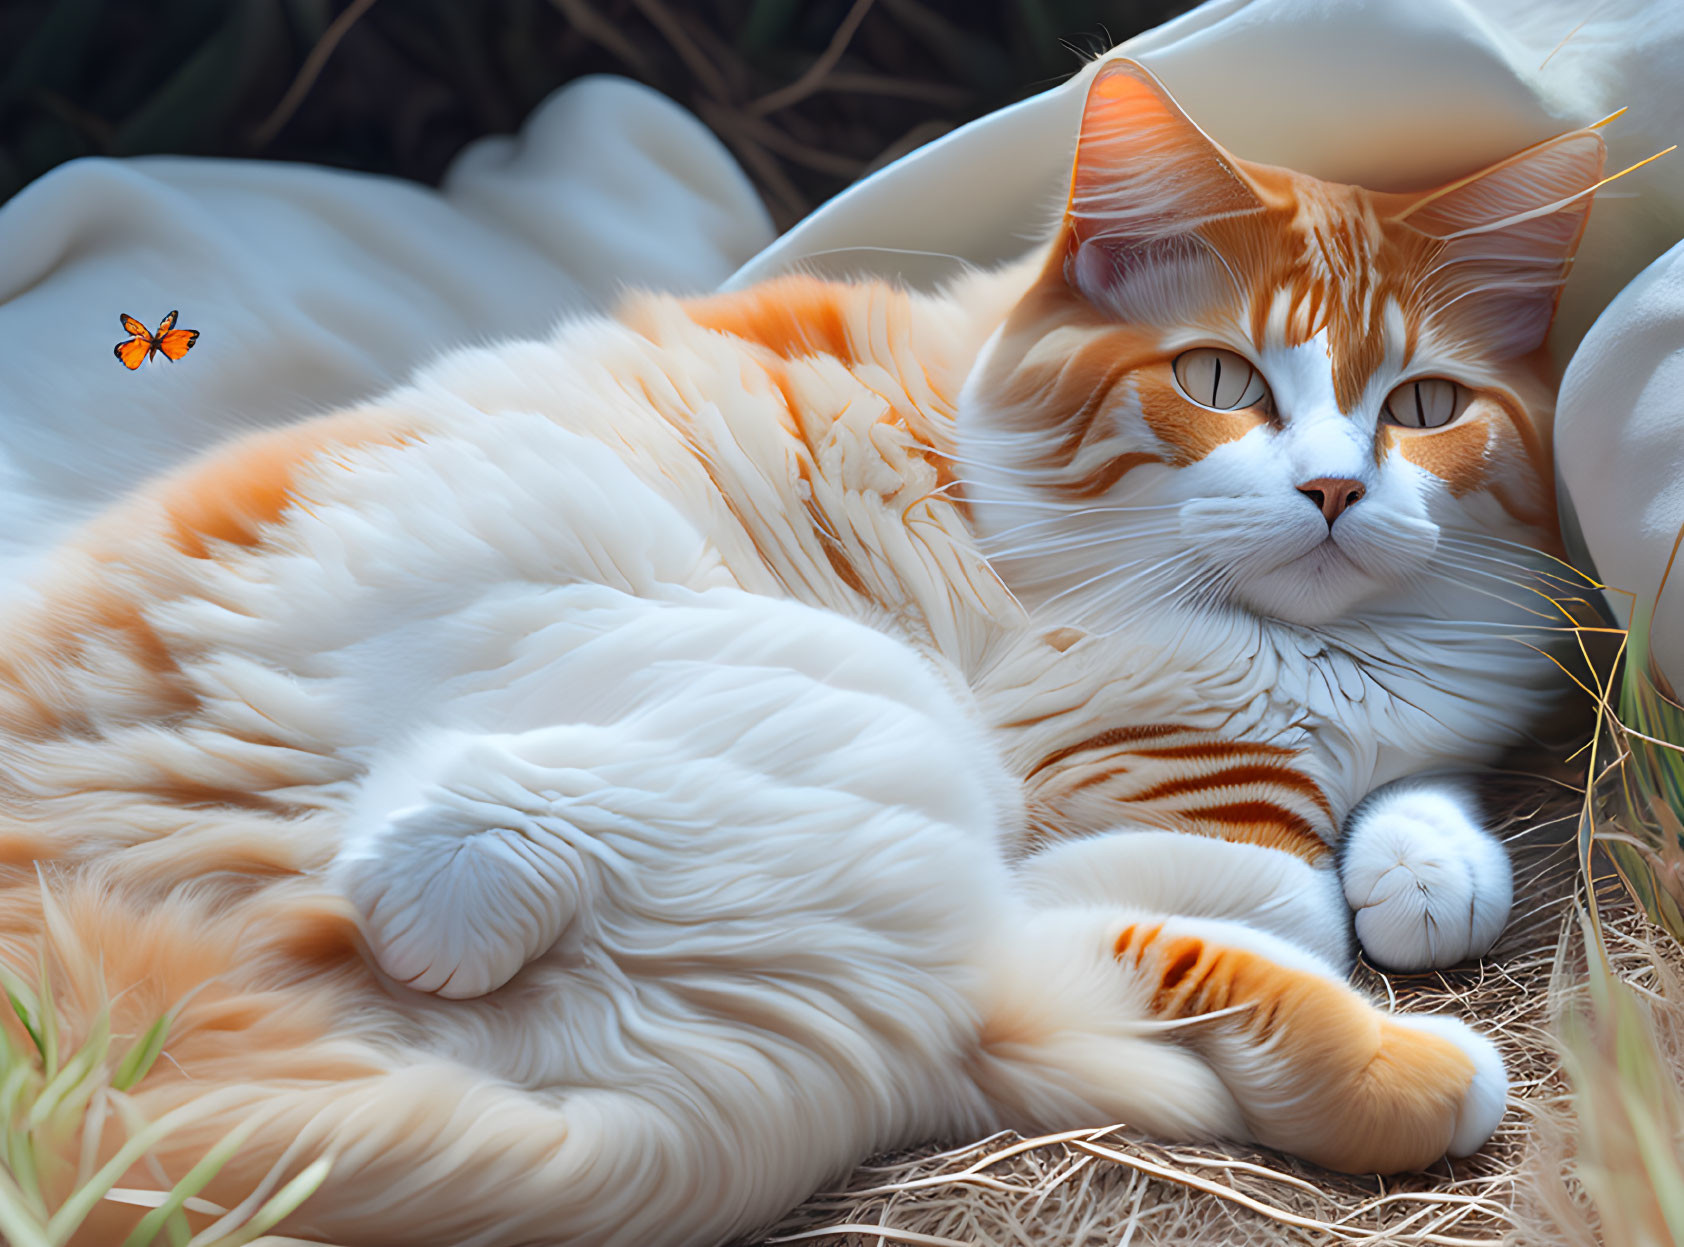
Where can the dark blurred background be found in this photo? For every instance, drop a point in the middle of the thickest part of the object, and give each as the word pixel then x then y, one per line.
pixel 809 94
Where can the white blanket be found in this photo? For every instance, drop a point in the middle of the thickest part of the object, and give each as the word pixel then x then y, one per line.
pixel 312 288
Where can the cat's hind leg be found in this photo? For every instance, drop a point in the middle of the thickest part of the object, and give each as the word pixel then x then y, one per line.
pixel 1429 884
pixel 468 854
pixel 1199 877
pixel 1268 1044
pixel 1318 1070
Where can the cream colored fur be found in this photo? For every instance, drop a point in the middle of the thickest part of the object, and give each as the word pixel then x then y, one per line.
pixel 605 789
pixel 538 694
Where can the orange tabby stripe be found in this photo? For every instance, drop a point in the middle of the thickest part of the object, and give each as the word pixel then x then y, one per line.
pixel 1261 822
pixel 1333 1077
pixel 1239 776
pixel 1106 739
pixel 1107 475
pixel 1190 432
pixel 1169 775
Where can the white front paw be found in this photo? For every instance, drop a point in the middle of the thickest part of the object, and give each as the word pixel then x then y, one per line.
pixel 1429 885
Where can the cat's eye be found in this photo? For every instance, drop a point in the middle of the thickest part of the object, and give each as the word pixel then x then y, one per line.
pixel 1429 403
pixel 1213 377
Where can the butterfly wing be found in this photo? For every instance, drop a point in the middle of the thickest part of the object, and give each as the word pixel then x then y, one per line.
pixel 133 353
pixel 133 326
pixel 167 324
pixel 177 342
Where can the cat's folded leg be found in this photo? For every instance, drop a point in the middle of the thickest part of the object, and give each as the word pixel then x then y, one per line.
pixel 1200 877
pixel 1317 1069
pixel 458 881
pixel 1190 1028
pixel 1429 884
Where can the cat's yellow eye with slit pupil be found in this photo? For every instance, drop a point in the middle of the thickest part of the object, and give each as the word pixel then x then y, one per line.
pixel 1219 379
pixel 1430 403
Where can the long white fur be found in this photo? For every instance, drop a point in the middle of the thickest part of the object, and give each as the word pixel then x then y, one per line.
pixel 766 839
pixel 736 848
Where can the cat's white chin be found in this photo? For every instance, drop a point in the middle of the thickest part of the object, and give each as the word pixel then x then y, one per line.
pixel 1316 587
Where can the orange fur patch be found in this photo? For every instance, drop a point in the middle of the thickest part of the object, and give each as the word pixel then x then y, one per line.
pixel 1102 478
pixel 1182 779
pixel 1456 454
pixel 25 849
pixel 792 316
pixel 1191 432
pixel 1272 775
pixel 231 494
pixel 1262 823
pixel 1108 739
pixel 97 631
pixel 1338 1081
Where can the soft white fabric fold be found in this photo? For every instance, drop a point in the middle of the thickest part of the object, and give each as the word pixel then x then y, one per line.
pixel 1620 446
pixel 313 288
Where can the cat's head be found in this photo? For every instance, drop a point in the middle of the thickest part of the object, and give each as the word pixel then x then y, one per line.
pixel 1247 386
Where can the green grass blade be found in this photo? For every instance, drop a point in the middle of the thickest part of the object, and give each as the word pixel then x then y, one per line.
pixel 18 1228
pixel 47 1019
pixel 26 1005
pixel 282 1204
pixel 1629 1112
pixel 139 1058
pixel 25 1173
pixel 10 1056
pixel 15 1092
pixel 81 1202
pixel 195 1180
pixel 69 1090
pixel 177 1231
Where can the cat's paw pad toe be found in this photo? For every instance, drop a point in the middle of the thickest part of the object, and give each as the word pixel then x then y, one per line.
pixel 454 909
pixel 1429 887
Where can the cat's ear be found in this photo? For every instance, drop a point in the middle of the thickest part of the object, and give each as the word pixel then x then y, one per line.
pixel 1146 181
pixel 1509 235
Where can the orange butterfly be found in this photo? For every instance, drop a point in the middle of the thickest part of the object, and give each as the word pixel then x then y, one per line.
pixel 173 342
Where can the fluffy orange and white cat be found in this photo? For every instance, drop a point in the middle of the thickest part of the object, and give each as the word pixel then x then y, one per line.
pixel 602 791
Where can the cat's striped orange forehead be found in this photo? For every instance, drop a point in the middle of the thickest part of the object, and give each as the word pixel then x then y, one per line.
pixel 1288 257
pixel 1319 263
pixel 1302 257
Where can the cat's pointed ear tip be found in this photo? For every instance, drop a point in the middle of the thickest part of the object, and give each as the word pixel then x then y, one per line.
pixel 1573 155
pixel 1123 67
pixel 1126 92
pixel 1590 138
pixel 1121 75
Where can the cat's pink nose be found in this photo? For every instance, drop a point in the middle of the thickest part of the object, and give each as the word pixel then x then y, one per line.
pixel 1332 495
